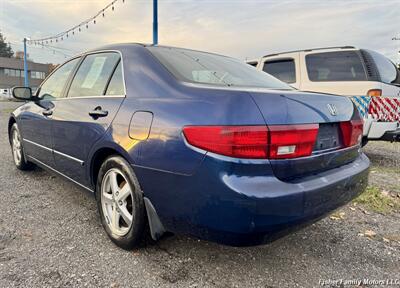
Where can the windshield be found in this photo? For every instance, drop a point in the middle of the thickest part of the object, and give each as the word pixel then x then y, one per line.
pixel 200 67
pixel 387 69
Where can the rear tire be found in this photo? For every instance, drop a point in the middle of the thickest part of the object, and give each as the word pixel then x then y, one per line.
pixel 364 141
pixel 120 203
pixel 18 150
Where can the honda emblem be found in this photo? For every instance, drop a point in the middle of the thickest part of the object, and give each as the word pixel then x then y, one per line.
pixel 332 109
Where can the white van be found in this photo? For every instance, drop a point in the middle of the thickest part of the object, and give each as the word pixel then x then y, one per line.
pixel 344 71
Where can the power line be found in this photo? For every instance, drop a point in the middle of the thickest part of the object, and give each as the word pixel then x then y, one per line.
pixel 77 28
pixel 53 49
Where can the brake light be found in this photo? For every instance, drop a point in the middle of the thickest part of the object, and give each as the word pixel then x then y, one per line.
pixel 234 141
pixel 352 132
pixel 374 93
pixel 257 142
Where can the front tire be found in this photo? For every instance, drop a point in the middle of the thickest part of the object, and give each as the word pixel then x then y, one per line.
pixel 18 150
pixel 120 203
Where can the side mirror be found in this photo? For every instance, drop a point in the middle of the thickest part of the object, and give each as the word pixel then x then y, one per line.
pixel 22 93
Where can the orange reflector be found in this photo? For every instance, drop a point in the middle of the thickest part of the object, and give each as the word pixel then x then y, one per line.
pixel 374 93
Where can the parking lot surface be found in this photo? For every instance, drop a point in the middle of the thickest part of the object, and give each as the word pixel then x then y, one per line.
pixel 51 236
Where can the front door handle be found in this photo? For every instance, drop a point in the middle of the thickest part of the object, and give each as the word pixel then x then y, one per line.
pixel 98 112
pixel 47 112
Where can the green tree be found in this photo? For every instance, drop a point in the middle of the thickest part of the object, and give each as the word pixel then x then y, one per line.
pixel 5 48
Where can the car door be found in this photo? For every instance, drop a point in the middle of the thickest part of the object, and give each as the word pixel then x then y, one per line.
pixel 36 119
pixel 79 120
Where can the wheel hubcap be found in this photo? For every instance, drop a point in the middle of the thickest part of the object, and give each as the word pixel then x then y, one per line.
pixel 16 147
pixel 117 202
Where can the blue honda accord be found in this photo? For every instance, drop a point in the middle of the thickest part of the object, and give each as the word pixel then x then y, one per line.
pixel 189 142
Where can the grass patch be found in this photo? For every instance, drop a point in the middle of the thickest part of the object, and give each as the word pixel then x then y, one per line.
pixel 381 169
pixel 374 200
pixel 7 111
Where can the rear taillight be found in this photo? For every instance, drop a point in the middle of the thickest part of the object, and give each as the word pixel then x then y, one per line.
pixel 292 141
pixel 374 93
pixel 234 141
pixel 352 132
pixel 261 142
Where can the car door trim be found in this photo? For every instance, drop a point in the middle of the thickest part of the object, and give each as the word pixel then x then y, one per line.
pixel 38 145
pixel 81 162
pixel 91 97
pixel 58 172
pixel 69 157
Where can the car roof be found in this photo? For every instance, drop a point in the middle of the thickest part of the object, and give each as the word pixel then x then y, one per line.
pixel 119 46
pixel 312 49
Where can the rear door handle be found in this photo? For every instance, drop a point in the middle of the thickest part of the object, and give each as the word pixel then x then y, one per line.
pixel 47 112
pixel 98 112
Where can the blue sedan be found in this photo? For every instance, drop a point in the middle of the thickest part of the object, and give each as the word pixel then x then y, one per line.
pixel 189 142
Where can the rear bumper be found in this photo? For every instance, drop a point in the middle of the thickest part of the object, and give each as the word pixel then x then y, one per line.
pixel 392 136
pixel 377 130
pixel 242 203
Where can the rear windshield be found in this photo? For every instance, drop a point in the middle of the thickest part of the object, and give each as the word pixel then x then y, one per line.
pixel 388 71
pixel 200 67
pixel 335 66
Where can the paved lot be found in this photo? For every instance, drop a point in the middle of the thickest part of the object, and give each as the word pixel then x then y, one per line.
pixel 50 236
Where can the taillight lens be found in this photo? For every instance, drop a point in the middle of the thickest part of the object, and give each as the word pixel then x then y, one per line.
pixel 374 93
pixel 277 142
pixel 352 132
pixel 292 141
pixel 234 141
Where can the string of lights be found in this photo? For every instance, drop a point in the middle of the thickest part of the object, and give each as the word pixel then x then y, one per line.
pixel 56 51
pixel 67 53
pixel 77 28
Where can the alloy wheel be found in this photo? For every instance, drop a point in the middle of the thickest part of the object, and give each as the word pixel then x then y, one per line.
pixel 16 147
pixel 117 202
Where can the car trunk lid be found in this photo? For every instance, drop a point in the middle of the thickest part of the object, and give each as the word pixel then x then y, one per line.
pixel 328 111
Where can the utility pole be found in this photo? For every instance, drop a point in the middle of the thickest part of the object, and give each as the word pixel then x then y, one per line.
pixel 155 22
pixel 26 80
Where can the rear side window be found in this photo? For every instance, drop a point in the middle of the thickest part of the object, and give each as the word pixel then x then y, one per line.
pixel 54 85
pixel 116 85
pixel 93 75
pixel 387 70
pixel 335 66
pixel 284 70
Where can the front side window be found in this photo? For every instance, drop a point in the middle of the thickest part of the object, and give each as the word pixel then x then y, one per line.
pixel 206 68
pixel 387 70
pixel 93 75
pixel 54 85
pixel 335 66
pixel 284 70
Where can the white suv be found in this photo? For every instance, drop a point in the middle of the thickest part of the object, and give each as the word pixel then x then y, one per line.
pixel 344 71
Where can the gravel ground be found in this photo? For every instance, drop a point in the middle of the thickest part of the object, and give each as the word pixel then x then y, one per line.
pixel 51 236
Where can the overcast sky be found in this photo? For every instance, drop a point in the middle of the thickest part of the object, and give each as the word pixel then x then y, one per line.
pixel 243 29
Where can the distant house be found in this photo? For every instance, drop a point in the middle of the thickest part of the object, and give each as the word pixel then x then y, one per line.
pixel 12 72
